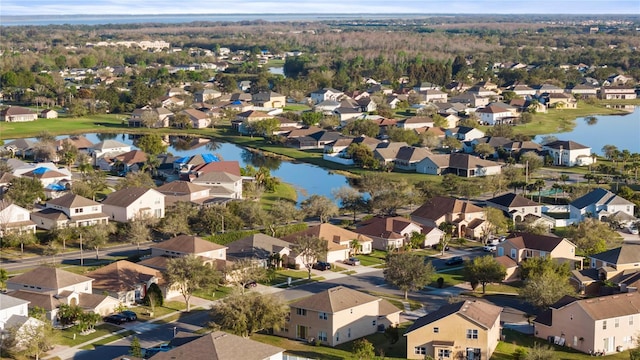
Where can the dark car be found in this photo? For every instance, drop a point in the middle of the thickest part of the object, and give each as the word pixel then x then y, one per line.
pixel 116 319
pixel 456 260
pixel 439 247
pixel 250 284
pixel 322 265
pixel 129 315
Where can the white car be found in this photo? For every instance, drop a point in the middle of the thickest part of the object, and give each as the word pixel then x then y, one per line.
pixel 489 248
pixel 633 230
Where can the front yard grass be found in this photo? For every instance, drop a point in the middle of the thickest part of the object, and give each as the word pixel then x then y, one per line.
pixel 376 257
pixel 219 293
pixel 451 278
pixel 514 340
pixel 167 308
pixel 108 340
pixel 66 335
pixel 281 276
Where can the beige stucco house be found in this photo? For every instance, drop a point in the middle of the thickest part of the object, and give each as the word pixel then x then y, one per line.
pixel 606 324
pixel 339 242
pixel 183 245
pixel 339 315
pixel 522 246
pixel 465 330
pixel 217 345
pixel 129 203
pixel 467 217
pixel 69 210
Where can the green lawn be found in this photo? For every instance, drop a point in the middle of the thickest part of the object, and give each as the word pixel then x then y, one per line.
pixel 451 278
pixel 108 340
pixel 514 340
pixel 377 257
pixel 59 126
pixel 219 293
pixel 66 336
pixel 282 192
pixel 280 276
pixel 167 308
pixel 296 107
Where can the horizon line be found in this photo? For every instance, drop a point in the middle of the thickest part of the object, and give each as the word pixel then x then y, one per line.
pixel 331 13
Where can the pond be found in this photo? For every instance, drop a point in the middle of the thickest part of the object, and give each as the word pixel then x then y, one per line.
pixel 597 131
pixel 307 179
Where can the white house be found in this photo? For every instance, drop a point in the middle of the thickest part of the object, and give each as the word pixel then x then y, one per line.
pixel 221 184
pixel 129 203
pixel 493 114
pixel 569 153
pixel 108 148
pixel 69 210
pixel 10 306
pixel 600 204
pixel 14 218
pixel 324 94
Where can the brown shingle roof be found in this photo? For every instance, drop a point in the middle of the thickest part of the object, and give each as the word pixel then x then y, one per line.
pixel 439 206
pixel 534 241
pixel 330 233
pixel 217 345
pixel 179 187
pixel 231 167
pixel 121 275
pixel 132 157
pixel 72 201
pixel 125 197
pixel 337 299
pixel 386 228
pixel 188 244
pixel 476 311
pixel 49 278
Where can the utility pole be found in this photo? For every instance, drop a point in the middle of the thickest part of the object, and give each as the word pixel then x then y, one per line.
pixel 81 257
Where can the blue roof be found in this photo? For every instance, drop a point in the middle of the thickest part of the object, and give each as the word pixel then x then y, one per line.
pixel 40 170
pixel 182 160
pixel 56 187
pixel 237 102
pixel 209 158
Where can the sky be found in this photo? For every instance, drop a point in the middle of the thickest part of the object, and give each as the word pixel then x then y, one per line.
pixel 159 7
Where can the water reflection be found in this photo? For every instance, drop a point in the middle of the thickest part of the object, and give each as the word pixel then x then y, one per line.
pixel 591 120
pixel 106 136
pixel 257 159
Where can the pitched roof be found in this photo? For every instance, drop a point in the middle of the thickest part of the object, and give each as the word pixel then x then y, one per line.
pixel 336 299
pixel 36 299
pixel 217 345
pixel 627 253
pixel 125 197
pixel 258 246
pixel 605 307
pixel 188 244
pixel 466 161
pixel 410 153
pixel 231 167
pixel 121 275
pixel 179 187
pixel 108 144
pixel 385 227
pixel 48 278
pixel 492 109
pixel 16 110
pixel 334 235
pixel 566 145
pixel 7 301
pixel 534 241
pixel 132 157
pixel 217 176
pixel 599 196
pixel 72 201
pixel 512 200
pixel 476 311
pixel 439 206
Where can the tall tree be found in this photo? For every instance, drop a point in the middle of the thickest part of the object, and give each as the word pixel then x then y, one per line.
pixel 592 236
pixel 139 231
pixel 136 179
pixel 310 249
pixel 484 270
pixel 245 271
pixel 152 144
pixel 351 200
pixel 408 272
pixel 246 314
pixel 319 206
pixel 24 191
pixel 177 217
pixel 545 288
pixel 188 274
pixel 98 235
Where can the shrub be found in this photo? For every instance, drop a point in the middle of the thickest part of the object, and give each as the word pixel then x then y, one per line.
pixel 440 282
pixel 153 293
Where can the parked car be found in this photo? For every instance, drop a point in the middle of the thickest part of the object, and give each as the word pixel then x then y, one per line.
pixel 438 247
pixel 456 260
pixel 489 248
pixel 322 266
pixel 115 319
pixel 352 261
pixel 502 238
pixel 129 315
pixel 156 349
pixel 633 230
pixel 250 284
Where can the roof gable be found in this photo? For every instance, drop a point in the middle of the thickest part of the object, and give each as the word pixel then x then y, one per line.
pixel 49 278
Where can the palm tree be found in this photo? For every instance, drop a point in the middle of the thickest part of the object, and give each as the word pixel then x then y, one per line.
pixel 354 246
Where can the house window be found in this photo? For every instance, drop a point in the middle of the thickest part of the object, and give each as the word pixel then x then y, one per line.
pixel 322 315
pixel 418 350
pixel 158 213
pixel 78 210
pixel 630 320
pixel 472 333
pixel 349 332
pixel 301 312
pixel 513 253
pixel 535 210
pixel 575 341
pixel 444 353
pixel 543 254
pixel 338 336
pixel 616 323
pixel 436 330
pixel 604 325
pixel 373 323
pixel 322 335
pixel 528 253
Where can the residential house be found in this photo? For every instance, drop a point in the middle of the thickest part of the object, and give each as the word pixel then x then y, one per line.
pixel 131 161
pixel 465 330
pixel 185 191
pixel 197 118
pixel 49 114
pixel 205 95
pixel 19 147
pixel 244 85
pixel 548 89
pixel 523 90
pixel 79 141
pixel 345 114
pixel 416 122
pixel 521 147
pixel 221 184
pixel 261 248
pixel 408 157
pixel 187 163
pixel 460 213
pixel 481 91
pixel 600 204
pixel 218 345
pixel 324 94
pixel 339 147
pixel 562 101
pixel 387 152
pixel 69 210
pixel 617 92
pixel 183 245
pixel 612 264
pixel 311 138
pixel 172 102
pixel 522 246
pixel 326 107
pixel 17 114
pixel 424 86
pixel 128 282
pixel 49 287
pixel 493 114
pixel 269 99
pixel 150 117
pixel 10 306
pixel 340 242
pixel 471 100
pixel 14 218
pixel 569 153
pixel 108 148
pixel 244 119
pixel 464 133
pixel 584 90
pixel 393 232
pixel 367 104
pixel 434 96
pixel 338 315
pixel 603 325
pixel 515 206
pixel 464 165
pixel 130 203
